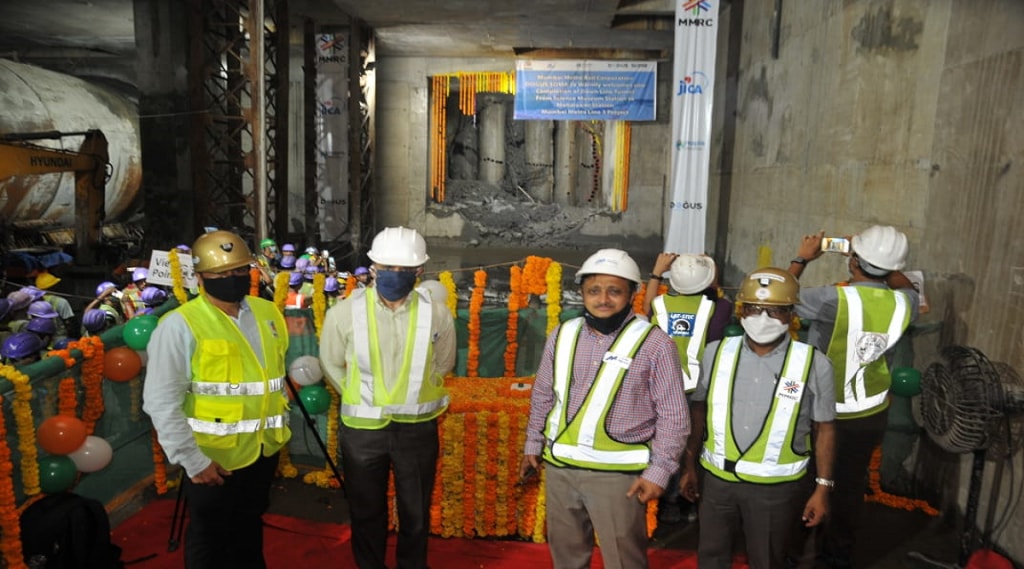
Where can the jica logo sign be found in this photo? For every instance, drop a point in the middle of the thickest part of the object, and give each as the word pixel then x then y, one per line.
pixel 693 84
pixel 685 205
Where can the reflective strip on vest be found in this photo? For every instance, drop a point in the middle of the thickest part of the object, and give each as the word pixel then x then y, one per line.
pixel 781 416
pixel 245 426
pixel 364 318
pixel 244 388
pixel 855 396
pixel 696 342
pixel 602 393
pixel 295 300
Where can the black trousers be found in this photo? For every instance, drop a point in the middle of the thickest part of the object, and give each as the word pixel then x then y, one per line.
pixel 367 456
pixel 225 527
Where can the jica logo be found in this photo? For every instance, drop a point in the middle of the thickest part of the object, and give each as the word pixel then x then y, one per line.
pixel 693 84
pixel 685 205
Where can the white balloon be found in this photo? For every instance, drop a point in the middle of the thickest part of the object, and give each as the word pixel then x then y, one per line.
pixel 438 292
pixel 305 370
pixel 94 454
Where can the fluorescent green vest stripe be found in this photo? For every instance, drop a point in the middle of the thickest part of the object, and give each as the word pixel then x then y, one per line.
pixel 869 322
pixel 771 458
pixel 583 442
pixel 686 319
pixel 236 405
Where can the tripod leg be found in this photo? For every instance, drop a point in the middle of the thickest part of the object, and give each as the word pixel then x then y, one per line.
pixel 316 434
pixel 178 519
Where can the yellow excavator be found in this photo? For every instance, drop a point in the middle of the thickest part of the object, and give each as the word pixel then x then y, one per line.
pixel 21 156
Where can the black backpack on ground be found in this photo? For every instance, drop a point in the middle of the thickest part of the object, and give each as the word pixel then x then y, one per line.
pixel 68 531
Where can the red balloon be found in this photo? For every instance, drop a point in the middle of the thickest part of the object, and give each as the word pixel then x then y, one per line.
pixel 121 364
pixel 61 434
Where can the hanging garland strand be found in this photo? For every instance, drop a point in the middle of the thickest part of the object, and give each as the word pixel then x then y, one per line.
pixel 476 304
pixel 22 408
pixel 176 279
pixel 10 526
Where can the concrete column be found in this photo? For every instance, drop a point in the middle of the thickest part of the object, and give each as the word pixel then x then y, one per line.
pixel 540 180
pixel 565 163
pixel 492 112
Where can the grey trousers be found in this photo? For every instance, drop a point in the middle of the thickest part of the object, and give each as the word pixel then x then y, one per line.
pixel 764 512
pixel 582 502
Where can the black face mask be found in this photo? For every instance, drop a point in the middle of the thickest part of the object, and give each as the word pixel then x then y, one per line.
pixel 611 323
pixel 228 289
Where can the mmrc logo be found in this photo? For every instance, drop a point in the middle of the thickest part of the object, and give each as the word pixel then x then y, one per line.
pixel 791 386
pixel 695 7
pixel 693 84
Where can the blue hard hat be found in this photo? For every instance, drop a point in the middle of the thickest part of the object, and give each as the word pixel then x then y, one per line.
pixel 44 326
pixel 21 345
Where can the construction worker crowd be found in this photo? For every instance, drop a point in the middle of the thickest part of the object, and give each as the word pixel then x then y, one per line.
pixel 301 269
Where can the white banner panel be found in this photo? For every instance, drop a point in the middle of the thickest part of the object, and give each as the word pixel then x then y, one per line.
pixel 332 135
pixel 693 83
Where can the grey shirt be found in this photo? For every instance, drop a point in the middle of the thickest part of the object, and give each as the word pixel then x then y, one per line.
pixel 754 389
pixel 819 304
pixel 169 378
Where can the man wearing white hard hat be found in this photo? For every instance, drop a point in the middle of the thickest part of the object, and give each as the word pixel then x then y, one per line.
pixel 857 326
pixel 386 349
pixel 608 420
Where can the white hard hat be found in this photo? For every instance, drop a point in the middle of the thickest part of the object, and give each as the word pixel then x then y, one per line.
pixel 613 262
pixel 882 246
pixel 398 246
pixel 691 273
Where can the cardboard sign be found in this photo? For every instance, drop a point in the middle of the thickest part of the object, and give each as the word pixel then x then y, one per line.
pixel 160 269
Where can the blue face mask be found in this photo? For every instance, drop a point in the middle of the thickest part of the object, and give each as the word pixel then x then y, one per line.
pixel 395 285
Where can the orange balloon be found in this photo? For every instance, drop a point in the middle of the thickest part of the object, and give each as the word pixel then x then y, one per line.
pixel 61 434
pixel 121 364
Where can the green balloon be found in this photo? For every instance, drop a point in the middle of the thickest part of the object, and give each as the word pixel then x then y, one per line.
pixel 56 474
pixel 315 398
pixel 906 382
pixel 137 331
pixel 733 330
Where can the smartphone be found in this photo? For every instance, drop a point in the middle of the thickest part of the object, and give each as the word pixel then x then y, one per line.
pixel 835 245
pixel 531 473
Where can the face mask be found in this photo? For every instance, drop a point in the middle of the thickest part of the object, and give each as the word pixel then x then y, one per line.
pixel 763 329
pixel 395 285
pixel 229 289
pixel 609 324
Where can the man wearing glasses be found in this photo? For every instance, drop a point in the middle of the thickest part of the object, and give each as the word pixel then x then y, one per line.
pixel 760 399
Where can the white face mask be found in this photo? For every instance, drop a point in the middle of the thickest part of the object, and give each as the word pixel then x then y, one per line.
pixel 763 329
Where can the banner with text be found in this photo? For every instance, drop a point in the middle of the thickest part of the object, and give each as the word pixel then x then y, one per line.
pixel 332 135
pixel 693 81
pixel 159 271
pixel 585 90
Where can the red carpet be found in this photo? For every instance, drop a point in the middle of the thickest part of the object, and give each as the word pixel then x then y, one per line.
pixel 297 543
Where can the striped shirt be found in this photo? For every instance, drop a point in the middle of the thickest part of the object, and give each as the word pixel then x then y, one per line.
pixel 649 406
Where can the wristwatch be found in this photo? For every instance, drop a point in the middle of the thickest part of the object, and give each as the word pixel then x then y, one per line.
pixel 830 484
pixel 654 276
pixel 799 261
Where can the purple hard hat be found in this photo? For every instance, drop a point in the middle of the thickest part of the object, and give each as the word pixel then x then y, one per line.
pixel 139 274
pixel 5 307
pixel 94 319
pixel 331 285
pixel 19 300
pixel 42 309
pixel 103 286
pixel 294 278
pixel 287 262
pixel 35 292
pixel 361 271
pixel 42 326
pixel 21 345
pixel 301 263
pixel 143 311
pixel 288 247
pixel 61 344
pixel 153 296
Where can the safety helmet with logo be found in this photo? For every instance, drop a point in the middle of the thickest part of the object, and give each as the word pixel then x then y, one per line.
pixel 35 292
pixel 94 319
pixel 21 345
pixel 691 273
pixel 5 307
pixel 219 251
pixel 399 247
pixel 883 246
pixel 770 286
pixel 42 326
pixel 267 242
pixel 294 278
pixel 139 274
pixel 45 280
pixel 103 286
pixel 153 296
pixel 615 262
pixel 360 271
pixel 42 309
pixel 19 300
pixel 331 284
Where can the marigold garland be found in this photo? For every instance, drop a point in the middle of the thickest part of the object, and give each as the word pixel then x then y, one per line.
pixel 882 497
pixel 10 526
pixel 281 290
pixel 159 465
pixel 512 328
pixel 22 408
pixel 254 281
pixel 638 300
pixel 92 379
pixel 177 280
pixel 535 275
pixel 319 302
pixel 324 478
pixel 476 304
pixel 448 281
pixel 284 464
pixel 553 278
pixel 350 285
pixel 67 398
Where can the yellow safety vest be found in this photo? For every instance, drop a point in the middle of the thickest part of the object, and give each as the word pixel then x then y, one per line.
pixel 583 442
pixel 417 396
pixel 771 458
pixel 236 406
pixel 869 321
pixel 685 318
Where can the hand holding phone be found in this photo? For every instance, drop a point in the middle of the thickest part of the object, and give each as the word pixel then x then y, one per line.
pixel 835 245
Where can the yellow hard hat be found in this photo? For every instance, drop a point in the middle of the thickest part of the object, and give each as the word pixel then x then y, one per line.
pixel 769 286
pixel 220 251
pixel 45 280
